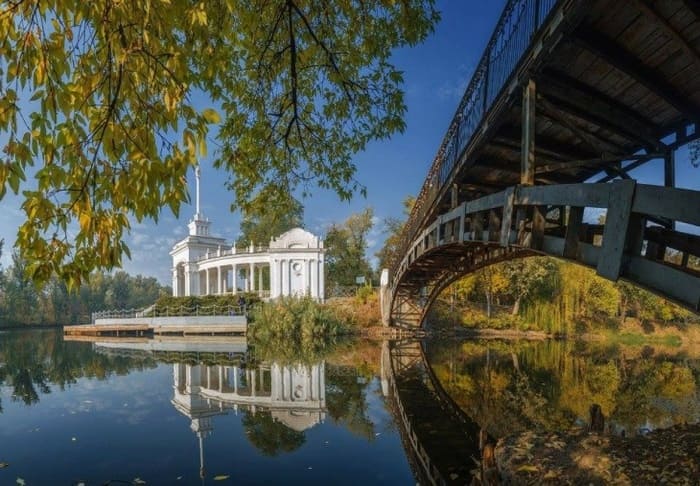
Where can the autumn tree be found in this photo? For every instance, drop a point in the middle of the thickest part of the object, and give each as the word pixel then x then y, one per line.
pixel 393 228
pixel 105 105
pixel 346 247
pixel 260 224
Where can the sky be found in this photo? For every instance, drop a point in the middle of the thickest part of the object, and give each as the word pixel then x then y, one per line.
pixel 436 74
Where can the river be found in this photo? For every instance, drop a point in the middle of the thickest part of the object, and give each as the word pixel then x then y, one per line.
pixel 221 412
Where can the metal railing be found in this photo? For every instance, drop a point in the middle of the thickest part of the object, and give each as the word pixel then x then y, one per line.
pixel 519 22
pixel 172 311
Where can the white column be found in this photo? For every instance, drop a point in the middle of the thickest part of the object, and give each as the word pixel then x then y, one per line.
pixel 251 278
pixel 285 277
pixel 260 279
pixel 175 281
pixel 280 268
pixel 321 280
pixel 206 282
pixel 234 279
pixel 188 281
pixel 273 278
pixel 218 279
pixel 314 278
pixel 307 277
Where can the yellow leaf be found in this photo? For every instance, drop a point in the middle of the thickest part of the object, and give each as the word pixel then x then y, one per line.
pixel 221 477
pixel 211 116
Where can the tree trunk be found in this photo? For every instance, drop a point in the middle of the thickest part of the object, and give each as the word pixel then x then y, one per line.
pixel 516 306
pixel 489 297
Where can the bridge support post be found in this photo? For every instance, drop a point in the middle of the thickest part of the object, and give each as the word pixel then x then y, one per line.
pixel 507 222
pixel 670 174
pixel 615 232
pixel 385 297
pixel 573 229
pixel 527 155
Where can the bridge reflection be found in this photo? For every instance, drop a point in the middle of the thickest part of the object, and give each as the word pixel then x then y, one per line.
pixel 441 442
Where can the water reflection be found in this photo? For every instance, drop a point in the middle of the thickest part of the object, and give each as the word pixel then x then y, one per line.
pixel 279 401
pixel 422 405
pixel 510 387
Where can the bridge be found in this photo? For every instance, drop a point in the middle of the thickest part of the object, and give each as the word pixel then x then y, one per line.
pixel 569 97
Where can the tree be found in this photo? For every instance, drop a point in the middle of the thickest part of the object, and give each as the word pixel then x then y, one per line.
pixel 259 225
pixel 526 275
pixel 393 228
pixel 103 99
pixel 346 247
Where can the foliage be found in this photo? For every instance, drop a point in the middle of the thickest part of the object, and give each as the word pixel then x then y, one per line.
pixel 259 225
pixel 554 296
pixel 102 100
pixel 293 329
pixel 695 153
pixel 21 302
pixel 270 436
pixel 204 304
pixel 36 362
pixel 346 247
pixel 510 387
pixel 393 228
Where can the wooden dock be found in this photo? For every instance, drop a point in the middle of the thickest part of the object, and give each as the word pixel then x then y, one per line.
pixel 162 326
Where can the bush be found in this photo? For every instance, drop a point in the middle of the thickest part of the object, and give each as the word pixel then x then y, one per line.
pixel 293 329
pixel 203 305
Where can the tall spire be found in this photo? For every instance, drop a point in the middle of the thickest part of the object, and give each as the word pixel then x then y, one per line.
pixel 197 174
pixel 199 226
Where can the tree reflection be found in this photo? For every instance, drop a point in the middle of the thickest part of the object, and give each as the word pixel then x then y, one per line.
pixel 513 387
pixel 270 436
pixel 31 362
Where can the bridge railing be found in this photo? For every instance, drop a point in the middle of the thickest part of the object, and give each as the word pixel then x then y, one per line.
pixel 638 229
pixel 519 22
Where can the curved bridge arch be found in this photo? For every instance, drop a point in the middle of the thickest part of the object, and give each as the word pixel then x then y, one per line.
pixel 548 220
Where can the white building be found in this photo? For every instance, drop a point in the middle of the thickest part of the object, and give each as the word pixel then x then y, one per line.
pixel 292 264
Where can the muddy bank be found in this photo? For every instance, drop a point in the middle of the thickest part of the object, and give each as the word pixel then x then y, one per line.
pixel 668 456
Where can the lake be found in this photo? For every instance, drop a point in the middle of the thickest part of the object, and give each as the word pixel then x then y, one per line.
pixel 222 412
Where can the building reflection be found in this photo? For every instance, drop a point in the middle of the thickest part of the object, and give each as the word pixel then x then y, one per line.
pixel 294 395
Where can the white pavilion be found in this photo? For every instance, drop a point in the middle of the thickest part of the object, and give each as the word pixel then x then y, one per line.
pixel 292 263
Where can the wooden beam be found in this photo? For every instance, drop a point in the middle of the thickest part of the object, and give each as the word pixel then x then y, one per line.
pixel 527 161
pixel 584 101
pixel 626 169
pixel 605 159
pixel 551 147
pixel 595 142
pixel 652 13
pixel 621 59
pixel 693 6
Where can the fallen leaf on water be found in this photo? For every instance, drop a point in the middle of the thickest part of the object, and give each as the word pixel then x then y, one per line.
pixel 3 465
pixel 21 482
pixel 528 468
pixel 221 477
pixel 73 439
pixel 139 481
pixel 178 478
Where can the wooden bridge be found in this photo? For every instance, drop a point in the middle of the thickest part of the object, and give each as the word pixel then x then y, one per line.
pixel 569 97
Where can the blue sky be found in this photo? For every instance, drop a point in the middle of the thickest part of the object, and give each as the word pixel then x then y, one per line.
pixel 435 73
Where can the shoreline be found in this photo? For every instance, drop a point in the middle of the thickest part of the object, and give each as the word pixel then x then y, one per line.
pixel 577 456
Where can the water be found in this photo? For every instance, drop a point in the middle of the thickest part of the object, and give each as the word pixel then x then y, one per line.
pixel 363 413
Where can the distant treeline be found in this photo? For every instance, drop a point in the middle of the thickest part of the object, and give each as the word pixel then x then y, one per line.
pixel 22 303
